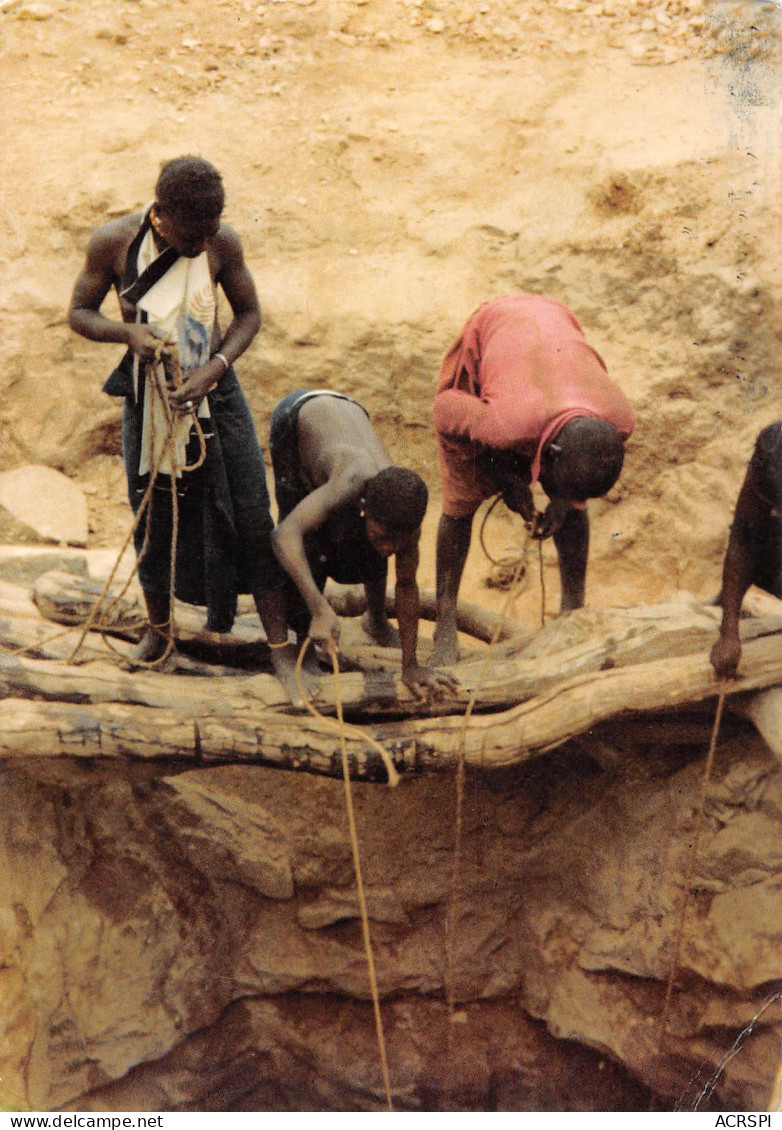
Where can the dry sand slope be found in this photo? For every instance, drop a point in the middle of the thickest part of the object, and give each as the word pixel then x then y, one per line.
pixel 392 163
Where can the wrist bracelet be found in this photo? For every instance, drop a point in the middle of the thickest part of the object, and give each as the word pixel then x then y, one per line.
pixel 224 359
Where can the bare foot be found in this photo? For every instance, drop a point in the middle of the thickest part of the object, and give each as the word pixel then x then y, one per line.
pixel 284 667
pixel 150 648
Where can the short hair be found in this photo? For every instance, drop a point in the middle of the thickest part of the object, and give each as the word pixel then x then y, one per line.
pixel 585 459
pixel 190 186
pixel 766 462
pixel 396 498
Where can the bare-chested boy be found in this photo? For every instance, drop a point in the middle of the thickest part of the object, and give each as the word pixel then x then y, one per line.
pixel 343 511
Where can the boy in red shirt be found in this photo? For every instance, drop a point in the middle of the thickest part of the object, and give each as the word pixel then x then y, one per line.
pixel 523 398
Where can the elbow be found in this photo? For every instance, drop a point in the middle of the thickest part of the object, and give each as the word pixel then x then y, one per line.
pixel 283 545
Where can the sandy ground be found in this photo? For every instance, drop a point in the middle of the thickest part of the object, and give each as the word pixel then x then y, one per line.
pixel 390 164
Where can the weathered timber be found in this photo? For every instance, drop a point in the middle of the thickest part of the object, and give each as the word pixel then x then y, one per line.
pixel 68 599
pixel 584 642
pixel 471 619
pixel 124 730
pixel 256 734
pixel 627 636
pixel 577 704
pixel 533 691
pixel 24 637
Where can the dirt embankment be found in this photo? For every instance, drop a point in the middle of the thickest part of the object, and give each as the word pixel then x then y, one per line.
pixel 390 166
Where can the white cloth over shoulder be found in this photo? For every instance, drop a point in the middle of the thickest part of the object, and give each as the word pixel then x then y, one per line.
pixel 179 307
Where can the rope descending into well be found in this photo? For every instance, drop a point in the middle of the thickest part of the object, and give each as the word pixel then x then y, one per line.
pixel 689 870
pixel 341 727
pixel 460 765
pixel 393 778
pixel 517 563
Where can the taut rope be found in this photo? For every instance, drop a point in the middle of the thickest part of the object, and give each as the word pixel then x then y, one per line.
pixel 687 878
pixel 343 729
pixel 461 756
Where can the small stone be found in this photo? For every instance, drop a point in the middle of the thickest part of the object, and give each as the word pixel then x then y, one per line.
pixel 344 38
pixel 46 501
pixel 34 11
pixel 435 25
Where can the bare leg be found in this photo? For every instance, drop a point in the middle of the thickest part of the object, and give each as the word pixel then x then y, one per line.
pixel 271 609
pixel 572 542
pixel 375 622
pixel 453 545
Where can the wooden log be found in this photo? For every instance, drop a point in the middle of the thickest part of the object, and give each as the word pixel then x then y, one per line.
pixel 102 681
pixel 26 638
pixel 576 705
pixel 119 730
pixel 194 730
pixel 471 619
pixel 583 642
pixel 67 599
pixel 588 667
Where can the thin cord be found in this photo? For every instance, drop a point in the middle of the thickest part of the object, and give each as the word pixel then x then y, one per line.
pixel 693 854
pixel 460 769
pixel 145 508
pixel 343 729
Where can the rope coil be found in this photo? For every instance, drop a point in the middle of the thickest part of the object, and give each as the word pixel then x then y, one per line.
pixel 173 374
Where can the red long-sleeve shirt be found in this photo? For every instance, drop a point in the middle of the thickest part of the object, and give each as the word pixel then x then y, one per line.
pixel 519 371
